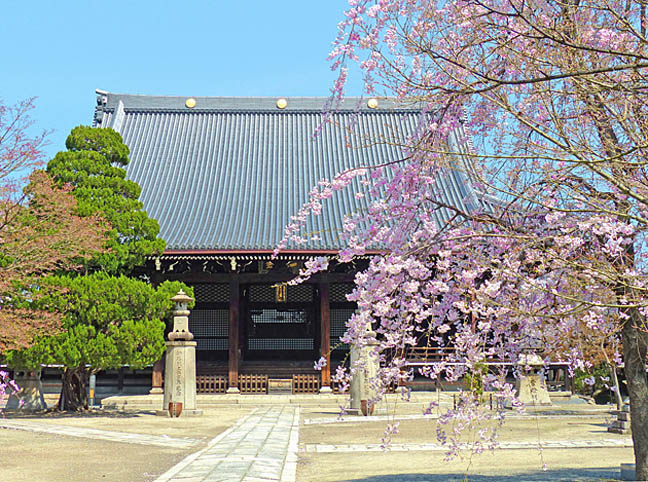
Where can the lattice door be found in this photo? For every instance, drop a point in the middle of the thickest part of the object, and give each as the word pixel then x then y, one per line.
pixel 209 320
pixel 274 327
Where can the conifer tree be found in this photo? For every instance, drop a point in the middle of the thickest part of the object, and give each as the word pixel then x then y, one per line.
pixel 110 319
pixel 92 167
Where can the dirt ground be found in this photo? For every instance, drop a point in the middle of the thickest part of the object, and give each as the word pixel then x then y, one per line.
pixel 505 466
pixel 29 456
pixel 421 431
pixel 206 427
pixel 568 464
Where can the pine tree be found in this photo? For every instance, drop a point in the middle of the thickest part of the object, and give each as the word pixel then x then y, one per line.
pixel 110 319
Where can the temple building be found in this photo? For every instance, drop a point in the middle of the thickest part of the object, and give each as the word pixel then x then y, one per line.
pixel 223 176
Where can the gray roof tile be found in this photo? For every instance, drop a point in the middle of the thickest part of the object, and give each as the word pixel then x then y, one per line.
pixel 229 173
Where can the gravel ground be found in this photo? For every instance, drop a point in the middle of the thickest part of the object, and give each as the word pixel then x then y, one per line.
pixel 33 456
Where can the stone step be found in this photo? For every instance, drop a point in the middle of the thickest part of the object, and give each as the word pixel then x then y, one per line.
pixel 334 401
pixel 625 416
pixel 620 424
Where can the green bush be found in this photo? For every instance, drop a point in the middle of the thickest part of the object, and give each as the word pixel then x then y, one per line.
pixel 474 380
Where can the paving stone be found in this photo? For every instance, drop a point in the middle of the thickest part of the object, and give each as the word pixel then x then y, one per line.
pixel 257 448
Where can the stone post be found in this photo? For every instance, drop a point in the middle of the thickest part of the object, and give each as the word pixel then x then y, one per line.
pixel 365 362
pixel 30 396
pixel 622 423
pixel 530 387
pixel 180 370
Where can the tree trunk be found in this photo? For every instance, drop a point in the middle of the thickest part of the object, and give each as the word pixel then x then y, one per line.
pixel 634 351
pixel 74 393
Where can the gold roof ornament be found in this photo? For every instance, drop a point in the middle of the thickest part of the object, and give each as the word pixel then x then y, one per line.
pixel 190 103
pixel 372 103
pixel 282 103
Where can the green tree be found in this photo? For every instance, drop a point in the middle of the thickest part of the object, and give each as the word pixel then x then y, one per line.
pixel 109 321
pixel 109 318
pixel 91 167
pixel 40 231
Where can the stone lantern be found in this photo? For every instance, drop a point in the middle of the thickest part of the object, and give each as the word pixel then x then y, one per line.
pixel 181 318
pixel 366 362
pixel 180 370
pixel 530 387
pixel 30 396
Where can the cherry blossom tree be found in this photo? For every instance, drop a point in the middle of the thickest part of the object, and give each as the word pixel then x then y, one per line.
pixel 20 152
pixel 39 234
pixel 548 247
pixel 39 231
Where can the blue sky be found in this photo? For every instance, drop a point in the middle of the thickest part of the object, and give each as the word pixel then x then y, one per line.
pixel 60 51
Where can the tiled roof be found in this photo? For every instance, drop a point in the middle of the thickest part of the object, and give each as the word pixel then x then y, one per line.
pixel 228 173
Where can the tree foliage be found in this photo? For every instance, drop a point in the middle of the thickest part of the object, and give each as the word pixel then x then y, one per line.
pixel 549 244
pixel 39 232
pixel 91 167
pixel 20 152
pixel 109 318
pixel 109 321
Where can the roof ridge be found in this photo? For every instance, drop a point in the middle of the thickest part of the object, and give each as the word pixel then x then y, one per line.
pixel 252 109
pixel 109 100
pixel 237 97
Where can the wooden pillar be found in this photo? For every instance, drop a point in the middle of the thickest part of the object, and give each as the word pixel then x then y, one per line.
pixel 325 334
pixel 157 377
pixel 120 379
pixel 234 324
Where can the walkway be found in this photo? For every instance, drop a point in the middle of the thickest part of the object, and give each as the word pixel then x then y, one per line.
pixel 96 434
pixel 260 447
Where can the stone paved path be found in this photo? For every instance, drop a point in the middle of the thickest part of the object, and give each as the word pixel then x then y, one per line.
pixel 260 447
pixel 545 444
pixel 135 438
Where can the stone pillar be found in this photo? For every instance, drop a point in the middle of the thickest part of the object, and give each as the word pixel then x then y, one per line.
pixel 180 370
pixel 364 360
pixel 530 386
pixel 30 396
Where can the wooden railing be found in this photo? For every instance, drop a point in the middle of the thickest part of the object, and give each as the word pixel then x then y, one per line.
pixel 211 384
pixel 557 376
pixel 253 383
pixel 427 353
pixel 335 387
pixel 305 384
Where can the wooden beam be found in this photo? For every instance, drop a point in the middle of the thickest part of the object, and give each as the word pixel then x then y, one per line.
pixel 234 326
pixel 201 277
pixel 241 252
pixel 325 333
